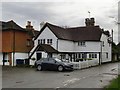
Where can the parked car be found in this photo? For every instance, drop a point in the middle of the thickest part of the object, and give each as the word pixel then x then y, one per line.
pixel 53 64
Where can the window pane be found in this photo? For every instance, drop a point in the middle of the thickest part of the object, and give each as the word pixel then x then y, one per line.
pixel 82 55
pixel 95 55
pixel 43 41
pixel 90 56
pixel 50 41
pixel 47 41
pixel 38 41
pixel 79 55
pixel 106 55
pixel 81 43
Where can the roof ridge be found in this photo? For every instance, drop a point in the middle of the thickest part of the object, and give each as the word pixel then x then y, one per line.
pixel 54 25
pixel 11 25
pixel 90 33
pixel 71 27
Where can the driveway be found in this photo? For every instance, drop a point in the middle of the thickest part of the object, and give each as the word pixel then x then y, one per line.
pixel 95 77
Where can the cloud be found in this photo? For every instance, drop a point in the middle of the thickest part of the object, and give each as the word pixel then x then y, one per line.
pixel 70 13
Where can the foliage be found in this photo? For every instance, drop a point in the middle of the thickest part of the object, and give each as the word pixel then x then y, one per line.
pixel 114 85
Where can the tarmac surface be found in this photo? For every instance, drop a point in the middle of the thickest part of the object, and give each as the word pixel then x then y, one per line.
pixel 94 77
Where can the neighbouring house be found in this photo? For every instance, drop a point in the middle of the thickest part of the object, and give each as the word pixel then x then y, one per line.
pixel 118 46
pixel 73 43
pixel 115 52
pixel 16 42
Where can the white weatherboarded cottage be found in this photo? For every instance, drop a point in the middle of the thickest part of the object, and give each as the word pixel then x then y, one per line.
pixel 75 44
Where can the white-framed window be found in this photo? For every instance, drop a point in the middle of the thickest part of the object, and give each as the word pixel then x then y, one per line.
pixel 106 55
pixel 93 55
pixel 41 41
pixel 82 43
pixel 63 56
pixel 38 41
pixel 81 55
pixel 49 41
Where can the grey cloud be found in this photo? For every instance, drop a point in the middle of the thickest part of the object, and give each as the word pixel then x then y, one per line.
pixel 59 13
pixel 28 10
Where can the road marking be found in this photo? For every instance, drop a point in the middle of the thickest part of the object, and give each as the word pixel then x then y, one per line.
pixel 110 73
pixel 73 80
pixel 19 81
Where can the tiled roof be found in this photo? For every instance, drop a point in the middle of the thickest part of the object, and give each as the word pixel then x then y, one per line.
pixel 36 32
pixel 10 25
pixel 47 48
pixel 89 33
pixel 44 47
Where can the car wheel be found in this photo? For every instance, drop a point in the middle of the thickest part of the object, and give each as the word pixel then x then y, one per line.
pixel 60 68
pixel 39 68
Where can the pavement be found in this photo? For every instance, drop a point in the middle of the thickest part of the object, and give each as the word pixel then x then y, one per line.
pixel 94 77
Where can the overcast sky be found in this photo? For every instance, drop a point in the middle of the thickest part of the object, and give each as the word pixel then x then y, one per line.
pixel 62 12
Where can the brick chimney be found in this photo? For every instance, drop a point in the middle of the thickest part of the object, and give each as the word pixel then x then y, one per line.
pixel 90 21
pixel 29 26
pixel 87 22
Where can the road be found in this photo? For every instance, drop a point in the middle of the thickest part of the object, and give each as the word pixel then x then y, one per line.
pixel 94 77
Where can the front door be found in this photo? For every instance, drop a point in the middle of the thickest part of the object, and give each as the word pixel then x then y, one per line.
pixel 39 56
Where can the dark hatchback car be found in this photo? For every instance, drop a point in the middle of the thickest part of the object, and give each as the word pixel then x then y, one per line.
pixel 53 64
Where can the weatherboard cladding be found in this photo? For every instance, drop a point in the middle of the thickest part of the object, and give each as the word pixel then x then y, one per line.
pixel 88 33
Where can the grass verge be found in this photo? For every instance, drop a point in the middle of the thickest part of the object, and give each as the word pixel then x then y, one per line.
pixel 114 85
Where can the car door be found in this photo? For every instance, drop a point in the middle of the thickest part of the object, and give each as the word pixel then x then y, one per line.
pixel 52 64
pixel 45 64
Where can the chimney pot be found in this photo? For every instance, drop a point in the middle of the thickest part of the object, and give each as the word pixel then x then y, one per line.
pixel 87 22
pixel 90 21
pixel 29 26
pixel 28 23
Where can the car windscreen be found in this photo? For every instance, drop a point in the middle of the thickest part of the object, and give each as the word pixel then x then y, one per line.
pixel 58 60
